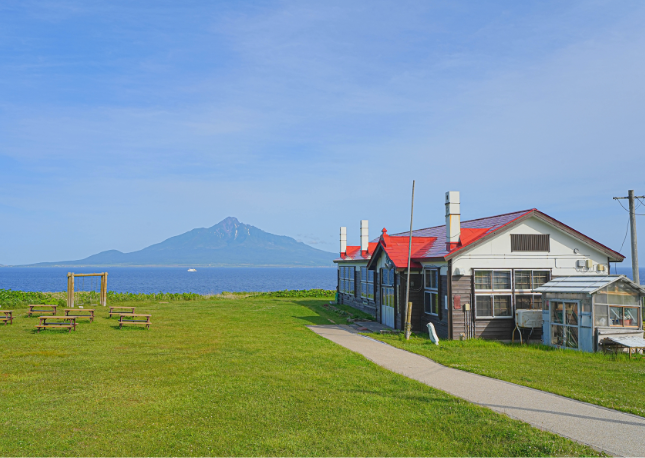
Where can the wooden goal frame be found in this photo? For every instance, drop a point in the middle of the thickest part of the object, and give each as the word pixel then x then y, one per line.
pixel 70 287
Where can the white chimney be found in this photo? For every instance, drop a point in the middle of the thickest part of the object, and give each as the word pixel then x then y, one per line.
pixel 343 240
pixel 365 238
pixel 453 219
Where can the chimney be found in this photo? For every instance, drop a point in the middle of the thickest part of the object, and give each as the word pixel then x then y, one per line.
pixel 365 238
pixel 453 220
pixel 343 240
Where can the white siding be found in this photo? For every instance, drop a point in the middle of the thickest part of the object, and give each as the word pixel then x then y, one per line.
pixel 496 253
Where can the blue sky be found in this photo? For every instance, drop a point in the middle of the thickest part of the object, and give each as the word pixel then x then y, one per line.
pixel 123 123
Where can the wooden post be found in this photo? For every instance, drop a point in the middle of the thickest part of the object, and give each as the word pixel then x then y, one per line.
pixel 70 289
pixel 105 274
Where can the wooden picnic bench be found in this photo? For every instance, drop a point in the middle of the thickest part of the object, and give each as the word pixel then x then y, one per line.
pixel 112 310
pixel 33 308
pixel 57 322
pixel 8 316
pixel 77 313
pixel 134 318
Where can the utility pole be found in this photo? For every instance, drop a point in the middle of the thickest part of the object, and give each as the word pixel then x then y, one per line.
pixel 408 304
pixel 632 225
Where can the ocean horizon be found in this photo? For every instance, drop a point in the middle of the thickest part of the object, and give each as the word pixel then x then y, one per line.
pixel 205 280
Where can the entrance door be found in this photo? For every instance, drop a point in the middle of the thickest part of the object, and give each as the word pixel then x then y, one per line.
pixel 387 306
pixel 565 323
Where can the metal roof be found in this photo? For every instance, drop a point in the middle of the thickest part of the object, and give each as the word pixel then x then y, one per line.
pixel 588 284
pixel 628 341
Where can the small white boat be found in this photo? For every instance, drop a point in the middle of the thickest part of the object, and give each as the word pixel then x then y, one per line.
pixel 192 270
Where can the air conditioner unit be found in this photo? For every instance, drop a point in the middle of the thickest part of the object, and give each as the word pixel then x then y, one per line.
pixel 528 318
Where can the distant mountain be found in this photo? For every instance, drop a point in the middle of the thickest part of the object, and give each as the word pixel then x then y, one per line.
pixel 228 243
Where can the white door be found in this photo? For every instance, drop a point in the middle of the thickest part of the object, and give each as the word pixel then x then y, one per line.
pixel 387 306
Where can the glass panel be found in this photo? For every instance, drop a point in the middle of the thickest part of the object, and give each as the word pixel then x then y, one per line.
pixel 482 279
pixel 502 306
pixel 540 277
pixel 370 276
pixel 601 298
pixel 426 302
pixel 586 305
pixel 557 335
pixel 631 316
pixel 522 279
pixel 435 304
pixel 571 334
pixel 483 306
pixel 557 312
pixel 571 310
pixel 600 315
pixel 616 316
pixel 523 301
pixel 537 301
pixel 501 280
pixel 621 294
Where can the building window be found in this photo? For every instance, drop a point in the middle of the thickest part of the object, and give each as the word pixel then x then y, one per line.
pixel 387 277
pixel 431 293
pixel 347 280
pixel 387 291
pixel 493 297
pixel 367 284
pixel 623 316
pixel 530 242
pixel 493 306
pixel 388 296
pixel 493 280
pixel 525 282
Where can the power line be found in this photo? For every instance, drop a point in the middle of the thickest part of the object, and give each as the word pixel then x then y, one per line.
pixel 639 214
pixel 626 232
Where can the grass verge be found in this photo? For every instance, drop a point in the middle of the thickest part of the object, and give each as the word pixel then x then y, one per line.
pixel 606 380
pixel 231 377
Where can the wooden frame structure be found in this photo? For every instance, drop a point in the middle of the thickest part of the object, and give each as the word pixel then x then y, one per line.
pixel 70 287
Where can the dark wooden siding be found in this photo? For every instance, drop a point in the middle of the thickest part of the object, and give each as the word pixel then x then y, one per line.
pixel 418 317
pixel 461 319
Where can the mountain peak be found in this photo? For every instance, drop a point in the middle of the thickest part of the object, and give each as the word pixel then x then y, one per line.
pixel 231 220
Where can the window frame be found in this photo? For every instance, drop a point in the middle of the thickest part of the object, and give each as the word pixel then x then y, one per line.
pixel 492 307
pixel 347 280
pixel 528 291
pixel 430 292
pixel 367 286
pixel 492 292
pixel 623 307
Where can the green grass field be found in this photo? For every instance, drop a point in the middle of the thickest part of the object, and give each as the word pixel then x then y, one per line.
pixel 230 377
pixel 606 380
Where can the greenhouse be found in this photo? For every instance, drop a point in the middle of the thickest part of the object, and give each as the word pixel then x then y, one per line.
pixel 587 312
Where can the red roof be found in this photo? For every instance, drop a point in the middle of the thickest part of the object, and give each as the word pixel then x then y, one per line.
pixel 354 253
pixel 397 248
pixel 430 242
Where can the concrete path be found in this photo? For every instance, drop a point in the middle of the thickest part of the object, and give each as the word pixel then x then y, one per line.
pixel 607 430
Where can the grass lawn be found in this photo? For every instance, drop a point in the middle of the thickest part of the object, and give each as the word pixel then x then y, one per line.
pixel 606 380
pixel 230 377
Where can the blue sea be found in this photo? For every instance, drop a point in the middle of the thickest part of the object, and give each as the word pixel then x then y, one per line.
pixel 627 271
pixel 207 280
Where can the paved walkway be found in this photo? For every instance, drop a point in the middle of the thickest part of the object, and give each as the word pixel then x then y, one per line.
pixel 613 432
